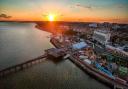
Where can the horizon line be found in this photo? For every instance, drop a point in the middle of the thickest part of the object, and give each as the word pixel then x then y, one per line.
pixel 62 21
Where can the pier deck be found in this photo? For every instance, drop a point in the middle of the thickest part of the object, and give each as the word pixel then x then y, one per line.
pixel 56 53
pixel 21 66
pixel 12 69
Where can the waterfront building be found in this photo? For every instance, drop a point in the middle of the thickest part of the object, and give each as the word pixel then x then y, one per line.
pixel 93 25
pixel 101 36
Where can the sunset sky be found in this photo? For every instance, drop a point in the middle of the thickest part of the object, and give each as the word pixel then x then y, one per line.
pixel 65 10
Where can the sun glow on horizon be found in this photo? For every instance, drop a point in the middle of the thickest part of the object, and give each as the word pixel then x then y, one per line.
pixel 51 17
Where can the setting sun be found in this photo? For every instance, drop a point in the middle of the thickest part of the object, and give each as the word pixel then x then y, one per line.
pixel 51 17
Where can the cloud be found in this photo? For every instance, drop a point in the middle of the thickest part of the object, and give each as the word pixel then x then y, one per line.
pixel 61 14
pixel 4 16
pixel 83 6
pixel 120 6
pixel 56 14
pixel 44 15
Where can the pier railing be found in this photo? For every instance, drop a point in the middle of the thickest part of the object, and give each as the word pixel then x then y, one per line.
pixel 21 66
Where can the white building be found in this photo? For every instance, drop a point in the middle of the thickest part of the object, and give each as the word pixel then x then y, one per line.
pixel 93 25
pixel 101 36
pixel 116 27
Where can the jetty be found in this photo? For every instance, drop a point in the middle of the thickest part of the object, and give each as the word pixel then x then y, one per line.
pixel 21 66
pixel 56 53
pixel 18 67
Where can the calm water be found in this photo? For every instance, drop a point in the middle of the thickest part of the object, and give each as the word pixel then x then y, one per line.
pixel 22 41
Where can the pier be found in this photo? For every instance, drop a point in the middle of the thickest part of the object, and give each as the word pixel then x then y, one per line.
pixel 56 53
pixel 12 69
pixel 21 66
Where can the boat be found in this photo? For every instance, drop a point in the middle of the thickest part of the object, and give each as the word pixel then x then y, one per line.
pixel 106 78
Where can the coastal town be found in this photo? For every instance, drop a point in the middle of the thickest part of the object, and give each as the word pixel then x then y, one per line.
pixel 63 44
pixel 99 49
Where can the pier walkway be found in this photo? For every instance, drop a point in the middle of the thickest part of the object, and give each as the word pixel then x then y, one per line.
pixel 54 52
pixel 21 66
